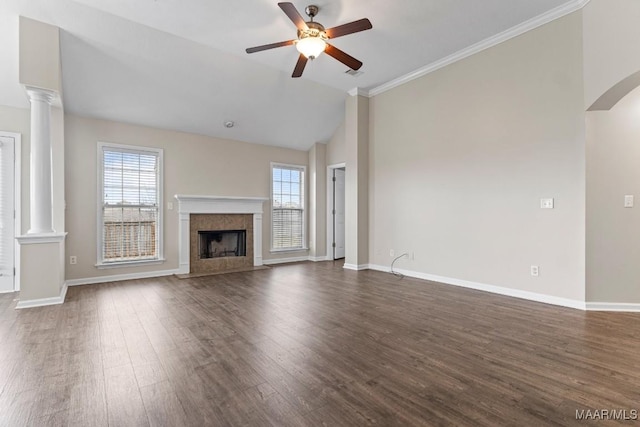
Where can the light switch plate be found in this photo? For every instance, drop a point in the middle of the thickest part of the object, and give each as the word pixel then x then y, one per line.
pixel 628 201
pixel 546 203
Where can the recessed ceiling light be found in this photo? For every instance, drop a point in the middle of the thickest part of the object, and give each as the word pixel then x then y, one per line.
pixel 229 124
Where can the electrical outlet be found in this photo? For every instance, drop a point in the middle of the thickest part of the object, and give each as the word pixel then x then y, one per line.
pixel 546 203
pixel 535 270
pixel 392 252
pixel 170 206
pixel 73 260
pixel 628 201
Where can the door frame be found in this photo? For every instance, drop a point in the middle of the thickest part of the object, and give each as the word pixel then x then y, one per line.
pixel 330 170
pixel 17 199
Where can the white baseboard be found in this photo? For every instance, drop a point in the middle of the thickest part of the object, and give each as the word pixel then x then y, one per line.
pixel 120 277
pixel 516 293
pixel 284 260
pixel 318 258
pixel 356 267
pixel 613 306
pixel 41 302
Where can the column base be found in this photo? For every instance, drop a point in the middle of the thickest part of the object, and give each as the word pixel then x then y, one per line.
pixel 41 274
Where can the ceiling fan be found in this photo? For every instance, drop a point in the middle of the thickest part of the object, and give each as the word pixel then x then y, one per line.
pixel 312 38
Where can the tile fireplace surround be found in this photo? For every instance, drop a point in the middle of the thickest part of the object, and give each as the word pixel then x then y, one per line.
pixel 188 205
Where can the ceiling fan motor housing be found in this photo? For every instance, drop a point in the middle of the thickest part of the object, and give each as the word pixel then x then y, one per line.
pixel 315 30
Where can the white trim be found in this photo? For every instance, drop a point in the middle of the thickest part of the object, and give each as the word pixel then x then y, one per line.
pixel 41 302
pixel 304 189
pixel 135 263
pixel 319 258
pixel 287 250
pixel 494 40
pixel 284 260
pixel 121 277
pixel 188 205
pixel 186 198
pixel 330 168
pixel 613 306
pixel 355 267
pixel 136 149
pixel 531 296
pixel 359 91
pixel 36 239
pixel 17 202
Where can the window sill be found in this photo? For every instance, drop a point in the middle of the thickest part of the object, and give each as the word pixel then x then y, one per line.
pixel 136 263
pixel 280 251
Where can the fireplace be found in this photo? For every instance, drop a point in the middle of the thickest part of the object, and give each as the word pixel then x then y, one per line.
pixel 219 214
pixel 222 243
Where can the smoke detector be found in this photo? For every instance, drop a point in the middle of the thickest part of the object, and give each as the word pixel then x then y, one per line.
pixel 229 124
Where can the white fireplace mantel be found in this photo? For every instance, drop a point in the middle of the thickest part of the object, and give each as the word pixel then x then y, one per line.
pixel 188 204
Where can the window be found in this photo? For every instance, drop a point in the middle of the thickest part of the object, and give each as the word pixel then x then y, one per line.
pixel 287 207
pixel 130 201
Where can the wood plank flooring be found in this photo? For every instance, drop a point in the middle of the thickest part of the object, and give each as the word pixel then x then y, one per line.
pixel 310 344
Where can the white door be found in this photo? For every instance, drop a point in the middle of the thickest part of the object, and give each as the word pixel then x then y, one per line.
pixel 338 213
pixel 7 231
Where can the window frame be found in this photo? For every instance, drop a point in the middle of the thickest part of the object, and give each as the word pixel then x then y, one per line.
pixel 303 189
pixel 159 152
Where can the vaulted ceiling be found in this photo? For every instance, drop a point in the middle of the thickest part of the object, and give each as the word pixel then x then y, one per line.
pixel 181 65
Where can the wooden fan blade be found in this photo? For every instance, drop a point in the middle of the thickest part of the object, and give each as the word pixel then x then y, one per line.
pixel 290 10
pixel 269 46
pixel 350 28
pixel 302 61
pixel 345 58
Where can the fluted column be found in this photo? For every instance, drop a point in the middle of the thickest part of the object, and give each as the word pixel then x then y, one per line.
pixel 41 207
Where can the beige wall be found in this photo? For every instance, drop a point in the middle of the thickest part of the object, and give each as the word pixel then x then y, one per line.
pixel 357 181
pixel 39 55
pixel 336 147
pixel 611 52
pixel 42 270
pixel 57 171
pixel 193 164
pixel 613 231
pixel 461 157
pixel 317 201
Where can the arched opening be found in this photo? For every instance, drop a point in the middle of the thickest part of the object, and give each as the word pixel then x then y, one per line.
pixel 613 195
pixel 618 91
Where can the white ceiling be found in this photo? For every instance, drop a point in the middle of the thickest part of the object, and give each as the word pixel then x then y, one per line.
pixel 181 65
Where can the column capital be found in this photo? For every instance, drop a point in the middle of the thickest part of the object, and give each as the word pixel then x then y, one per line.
pixel 40 94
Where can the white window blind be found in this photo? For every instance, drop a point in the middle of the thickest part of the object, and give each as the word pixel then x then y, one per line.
pixel 287 213
pixel 6 213
pixel 130 212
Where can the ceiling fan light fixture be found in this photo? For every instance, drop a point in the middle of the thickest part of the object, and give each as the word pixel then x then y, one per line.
pixel 311 46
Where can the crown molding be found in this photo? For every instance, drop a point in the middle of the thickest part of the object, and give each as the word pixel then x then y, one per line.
pixel 512 32
pixel 358 91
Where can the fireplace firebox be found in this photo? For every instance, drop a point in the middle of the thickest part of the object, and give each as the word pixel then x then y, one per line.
pixel 222 243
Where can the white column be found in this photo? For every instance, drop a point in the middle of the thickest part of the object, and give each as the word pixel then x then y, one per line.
pixel 41 207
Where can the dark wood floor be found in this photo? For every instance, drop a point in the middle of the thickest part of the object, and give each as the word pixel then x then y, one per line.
pixel 309 344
